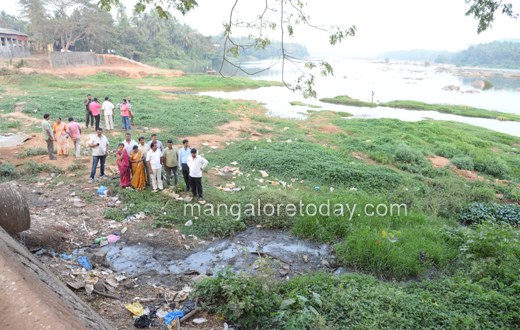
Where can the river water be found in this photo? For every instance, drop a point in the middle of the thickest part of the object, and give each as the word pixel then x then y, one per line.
pixel 388 82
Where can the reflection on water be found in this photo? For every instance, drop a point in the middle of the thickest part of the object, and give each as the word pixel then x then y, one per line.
pixel 358 78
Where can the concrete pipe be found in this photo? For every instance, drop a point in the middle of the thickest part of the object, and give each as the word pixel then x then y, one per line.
pixel 14 211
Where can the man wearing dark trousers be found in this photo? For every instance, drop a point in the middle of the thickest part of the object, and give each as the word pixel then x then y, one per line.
pixel 196 164
pixel 184 153
pixel 88 114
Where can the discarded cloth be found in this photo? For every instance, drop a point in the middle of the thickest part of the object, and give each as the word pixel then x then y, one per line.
pixel 85 263
pixel 172 316
pixel 135 308
pixel 188 306
pixel 113 238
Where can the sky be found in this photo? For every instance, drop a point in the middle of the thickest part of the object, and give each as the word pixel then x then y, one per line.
pixel 382 25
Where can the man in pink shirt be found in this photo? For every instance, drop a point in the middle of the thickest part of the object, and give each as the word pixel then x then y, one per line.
pixel 125 113
pixel 94 108
pixel 74 130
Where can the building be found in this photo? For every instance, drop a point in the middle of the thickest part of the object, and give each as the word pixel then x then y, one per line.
pixel 13 44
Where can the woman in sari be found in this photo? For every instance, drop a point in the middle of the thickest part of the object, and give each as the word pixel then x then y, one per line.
pixel 124 166
pixel 61 136
pixel 137 162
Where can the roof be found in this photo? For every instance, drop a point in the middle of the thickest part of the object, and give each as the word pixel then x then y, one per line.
pixel 11 31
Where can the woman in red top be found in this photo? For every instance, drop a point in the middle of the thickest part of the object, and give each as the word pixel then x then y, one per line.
pixel 124 112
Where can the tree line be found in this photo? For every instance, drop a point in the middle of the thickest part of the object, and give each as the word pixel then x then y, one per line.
pixel 80 25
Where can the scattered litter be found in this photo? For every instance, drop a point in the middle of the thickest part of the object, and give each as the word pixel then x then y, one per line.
pixel 120 278
pixel 317 188
pixel 269 140
pixel 264 174
pixel 64 256
pixel 331 189
pixel 289 141
pixel 135 308
pixel 89 288
pixel 188 223
pixel 205 144
pixel 353 189
pixel 214 147
pixel 143 321
pixel 124 230
pixel 188 199
pixel 102 190
pixel 172 316
pixel 188 306
pixel 103 243
pixel 98 240
pixel 284 129
pixel 234 163
pixel 200 321
pixel 85 263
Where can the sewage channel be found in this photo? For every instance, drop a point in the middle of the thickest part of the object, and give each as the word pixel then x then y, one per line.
pixel 236 253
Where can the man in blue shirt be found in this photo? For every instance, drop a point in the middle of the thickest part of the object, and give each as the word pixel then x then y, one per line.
pixel 184 153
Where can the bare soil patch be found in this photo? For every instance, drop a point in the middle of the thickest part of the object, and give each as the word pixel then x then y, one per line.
pixel 164 88
pixel 438 161
pixel 166 97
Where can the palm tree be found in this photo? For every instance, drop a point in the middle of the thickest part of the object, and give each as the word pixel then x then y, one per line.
pixel 120 11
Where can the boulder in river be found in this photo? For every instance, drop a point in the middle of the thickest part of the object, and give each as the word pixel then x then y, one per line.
pixel 478 84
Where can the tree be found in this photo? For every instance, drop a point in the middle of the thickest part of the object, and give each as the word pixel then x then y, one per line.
pixel 442 59
pixel 74 20
pixel 485 10
pixel 39 28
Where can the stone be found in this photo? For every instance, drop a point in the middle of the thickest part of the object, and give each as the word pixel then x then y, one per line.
pixel 103 243
pixel 129 284
pixel 325 263
pixel 478 84
pixel 209 272
pixel 14 211
pixel 99 256
pixel 305 258
pixel 99 286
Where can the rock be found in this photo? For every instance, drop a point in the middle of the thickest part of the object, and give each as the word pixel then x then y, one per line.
pixel 325 263
pixel 89 288
pixel 100 256
pixel 478 84
pixel 14 211
pixel 103 243
pixel 99 286
pixel 129 284
pixel 305 258
pixel 209 272
pixel 59 183
pixel 283 272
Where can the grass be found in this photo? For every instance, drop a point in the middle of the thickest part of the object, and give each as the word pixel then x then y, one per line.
pixel 467 276
pixel 205 82
pixel 460 110
pixel 346 100
pixel 305 104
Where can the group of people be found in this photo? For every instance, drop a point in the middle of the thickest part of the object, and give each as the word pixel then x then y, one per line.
pixel 140 163
pixel 94 109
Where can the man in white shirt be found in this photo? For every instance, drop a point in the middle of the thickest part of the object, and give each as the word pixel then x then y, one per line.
pixel 157 142
pixel 129 143
pixel 154 162
pixel 108 113
pixel 99 144
pixel 196 164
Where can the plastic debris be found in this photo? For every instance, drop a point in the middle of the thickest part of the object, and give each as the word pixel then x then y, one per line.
pixel 97 240
pixel 135 308
pixel 264 174
pixel 85 263
pixel 188 223
pixel 200 321
pixel 124 230
pixel 317 188
pixel 188 306
pixel 143 321
pixel 172 316
pixel 113 238
pixel 102 190
pixel 331 189
pixel 64 256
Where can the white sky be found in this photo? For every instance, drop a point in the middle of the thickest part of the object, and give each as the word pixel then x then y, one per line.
pixel 383 25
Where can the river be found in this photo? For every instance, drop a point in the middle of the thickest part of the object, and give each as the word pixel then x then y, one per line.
pixel 388 82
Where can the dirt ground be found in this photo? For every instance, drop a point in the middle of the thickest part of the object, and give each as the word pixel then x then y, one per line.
pixel 113 64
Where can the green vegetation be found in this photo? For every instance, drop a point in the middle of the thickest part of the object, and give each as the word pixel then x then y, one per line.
pixel 495 54
pixel 346 100
pixel 30 152
pixel 450 275
pixel 487 85
pixel 201 82
pixel 322 301
pixel 305 104
pixel 460 110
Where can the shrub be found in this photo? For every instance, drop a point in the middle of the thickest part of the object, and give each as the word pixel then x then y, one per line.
pixel 35 168
pixel 405 153
pixel 487 84
pixel 464 163
pixel 30 152
pixel 495 167
pixel 478 212
pixel 7 170
pixel 458 64
pixel 447 150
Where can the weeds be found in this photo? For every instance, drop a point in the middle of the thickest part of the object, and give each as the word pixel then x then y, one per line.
pixel 30 152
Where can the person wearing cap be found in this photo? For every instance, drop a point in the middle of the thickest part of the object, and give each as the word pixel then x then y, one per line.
pixel 171 163
pixel 196 164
